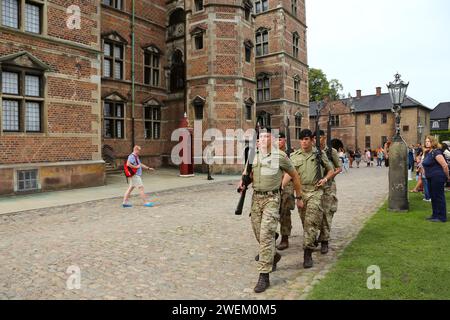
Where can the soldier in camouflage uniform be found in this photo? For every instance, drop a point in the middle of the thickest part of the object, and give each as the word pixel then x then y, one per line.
pixel 310 206
pixel 267 171
pixel 287 204
pixel 329 199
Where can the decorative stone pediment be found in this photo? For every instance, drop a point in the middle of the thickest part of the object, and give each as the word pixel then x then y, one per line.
pixel 295 34
pixel 152 102
pixel 198 100
pixel 263 75
pixel 115 96
pixel 297 77
pixel 248 43
pixel 249 101
pixel 114 36
pixel 262 29
pixel 25 60
pixel 152 48
pixel 248 4
pixel 198 30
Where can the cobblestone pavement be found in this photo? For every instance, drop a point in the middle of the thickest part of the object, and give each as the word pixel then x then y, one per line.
pixel 191 246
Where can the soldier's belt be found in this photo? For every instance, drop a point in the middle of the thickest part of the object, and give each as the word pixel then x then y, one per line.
pixel 267 193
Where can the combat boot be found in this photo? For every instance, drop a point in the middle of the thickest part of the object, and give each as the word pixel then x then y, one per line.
pixel 284 243
pixel 307 259
pixel 263 283
pixel 324 247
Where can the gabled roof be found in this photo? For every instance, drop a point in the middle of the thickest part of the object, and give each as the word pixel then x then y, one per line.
pixel 442 111
pixel 373 103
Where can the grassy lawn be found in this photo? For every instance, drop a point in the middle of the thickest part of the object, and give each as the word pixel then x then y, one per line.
pixel 413 256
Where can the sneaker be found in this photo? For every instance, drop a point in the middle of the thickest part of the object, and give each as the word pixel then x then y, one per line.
pixel 149 204
pixel 126 205
pixel 427 200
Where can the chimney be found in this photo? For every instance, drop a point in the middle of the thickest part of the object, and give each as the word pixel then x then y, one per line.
pixel 358 94
pixel 378 91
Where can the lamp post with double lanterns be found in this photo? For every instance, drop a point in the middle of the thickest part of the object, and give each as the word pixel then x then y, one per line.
pixel 398 152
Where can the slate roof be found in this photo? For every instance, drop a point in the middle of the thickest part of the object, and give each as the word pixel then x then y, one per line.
pixel 442 111
pixel 373 103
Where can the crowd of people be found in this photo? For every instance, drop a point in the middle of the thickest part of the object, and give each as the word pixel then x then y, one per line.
pixel 431 163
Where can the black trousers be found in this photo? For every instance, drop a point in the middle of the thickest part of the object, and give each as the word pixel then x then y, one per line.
pixel 436 186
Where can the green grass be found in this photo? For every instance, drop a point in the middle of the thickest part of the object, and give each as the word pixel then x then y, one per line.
pixel 412 253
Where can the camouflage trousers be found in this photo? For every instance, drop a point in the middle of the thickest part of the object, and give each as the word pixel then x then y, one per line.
pixel 329 204
pixel 311 215
pixel 265 217
pixel 287 204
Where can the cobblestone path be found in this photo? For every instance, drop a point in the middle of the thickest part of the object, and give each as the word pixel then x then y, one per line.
pixel 191 246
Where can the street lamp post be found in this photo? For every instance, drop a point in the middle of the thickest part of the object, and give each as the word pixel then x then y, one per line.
pixel 398 152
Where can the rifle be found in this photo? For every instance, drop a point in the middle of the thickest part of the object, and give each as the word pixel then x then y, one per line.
pixel 288 134
pixel 329 146
pixel 246 179
pixel 318 151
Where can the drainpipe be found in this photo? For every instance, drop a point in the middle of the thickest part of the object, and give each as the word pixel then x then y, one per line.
pixel 133 138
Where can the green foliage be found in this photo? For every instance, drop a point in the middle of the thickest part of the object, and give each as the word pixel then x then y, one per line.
pixel 444 135
pixel 320 87
pixel 412 253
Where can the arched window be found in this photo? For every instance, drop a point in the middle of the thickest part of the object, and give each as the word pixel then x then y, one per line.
pixel 177 79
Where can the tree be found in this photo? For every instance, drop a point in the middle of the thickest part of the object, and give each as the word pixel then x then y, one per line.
pixel 320 87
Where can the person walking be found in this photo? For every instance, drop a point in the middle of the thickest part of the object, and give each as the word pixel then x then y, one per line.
pixel 357 157
pixel 379 157
pixel 368 157
pixel 437 174
pixel 268 166
pixel 329 197
pixel 135 181
pixel 307 163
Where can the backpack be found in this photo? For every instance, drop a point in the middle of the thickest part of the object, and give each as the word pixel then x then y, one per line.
pixel 129 172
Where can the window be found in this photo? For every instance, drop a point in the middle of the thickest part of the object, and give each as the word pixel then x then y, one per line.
pixel 248 50
pixel 198 41
pixel 31 21
pixel 367 142
pixel 264 119
pixel 152 118
pixel 113 60
pixel 248 13
pixel 263 88
pixel 334 121
pixel 262 43
pixel 113 3
pixel 297 90
pixel 383 141
pixel 151 67
pixel 298 126
pixel 113 115
pixel 294 7
pixel 248 111
pixel 22 101
pixel 405 128
pixel 383 118
pixel 198 5
pixel 295 44
pixel 367 118
pixel 198 109
pixel 177 82
pixel 27 180
pixel 261 6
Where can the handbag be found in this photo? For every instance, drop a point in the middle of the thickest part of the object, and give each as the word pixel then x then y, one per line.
pixel 129 172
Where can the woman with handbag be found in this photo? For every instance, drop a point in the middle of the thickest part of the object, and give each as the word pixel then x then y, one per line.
pixel 437 175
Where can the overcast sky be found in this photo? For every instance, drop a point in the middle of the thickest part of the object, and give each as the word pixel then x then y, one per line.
pixel 363 43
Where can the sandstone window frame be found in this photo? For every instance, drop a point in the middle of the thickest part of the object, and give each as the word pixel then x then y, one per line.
pixel 114 42
pixel 263 83
pixel 177 72
pixel 27 180
pixel 264 118
pixel 384 139
pixel 248 47
pixel 261 42
pixel 383 118
pixel 261 6
pixel 367 142
pixel 113 100
pixel 297 83
pixel 26 119
pixel 152 121
pixel 152 69
pixel 248 8
pixel 367 119
pixel 116 4
pixel 199 105
pixel 295 44
pixel 335 120
pixel 197 35
pixel 22 15
pixel 294 6
pixel 248 105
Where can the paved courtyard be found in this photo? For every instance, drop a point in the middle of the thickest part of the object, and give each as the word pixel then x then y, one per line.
pixel 191 246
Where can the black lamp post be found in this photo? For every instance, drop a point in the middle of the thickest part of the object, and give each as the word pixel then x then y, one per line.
pixel 398 152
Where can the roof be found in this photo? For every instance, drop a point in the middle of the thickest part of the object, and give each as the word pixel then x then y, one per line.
pixel 373 103
pixel 442 111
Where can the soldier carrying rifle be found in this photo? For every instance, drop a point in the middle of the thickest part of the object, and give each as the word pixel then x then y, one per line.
pixel 267 170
